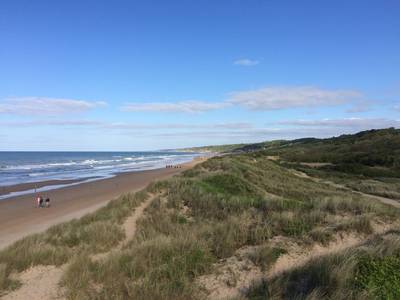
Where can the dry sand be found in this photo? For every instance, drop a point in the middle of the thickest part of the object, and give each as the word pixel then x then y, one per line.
pixel 19 217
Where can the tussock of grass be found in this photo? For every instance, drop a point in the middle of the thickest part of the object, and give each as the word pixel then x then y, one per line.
pixel 5 282
pixel 78 278
pixel 162 268
pixel 361 224
pixel 321 235
pixel 3 276
pixel 264 256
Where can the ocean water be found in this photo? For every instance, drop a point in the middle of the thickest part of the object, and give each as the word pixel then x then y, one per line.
pixel 25 167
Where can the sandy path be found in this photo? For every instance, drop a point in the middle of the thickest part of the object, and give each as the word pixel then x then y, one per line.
pixel 129 228
pixel 129 225
pixel 19 217
pixel 244 273
pixel 42 282
pixel 385 200
pixel 300 257
pixel 38 283
pixel 389 201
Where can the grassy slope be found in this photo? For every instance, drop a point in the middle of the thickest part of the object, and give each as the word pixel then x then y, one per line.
pixel 215 148
pixel 368 161
pixel 199 218
pixel 373 152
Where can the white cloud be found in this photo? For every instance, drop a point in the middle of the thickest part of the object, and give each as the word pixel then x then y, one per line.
pixel 126 126
pixel 237 125
pixel 255 134
pixel 178 126
pixel 269 98
pixel 182 106
pixel 359 107
pixel 246 62
pixel 359 123
pixel 45 106
pixel 274 98
pixel 50 122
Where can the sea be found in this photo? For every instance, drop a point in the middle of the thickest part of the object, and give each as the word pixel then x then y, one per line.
pixel 29 167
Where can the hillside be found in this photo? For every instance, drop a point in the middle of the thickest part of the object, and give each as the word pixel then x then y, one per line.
pixel 215 148
pixel 368 148
pixel 368 161
pixel 239 226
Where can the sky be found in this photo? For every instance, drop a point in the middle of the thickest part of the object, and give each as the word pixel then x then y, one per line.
pixel 146 75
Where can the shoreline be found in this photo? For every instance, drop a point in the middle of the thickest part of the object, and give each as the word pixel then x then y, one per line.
pixel 27 188
pixel 22 187
pixel 19 217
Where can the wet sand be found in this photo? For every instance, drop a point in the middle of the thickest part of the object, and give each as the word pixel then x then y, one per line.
pixel 19 217
pixel 5 190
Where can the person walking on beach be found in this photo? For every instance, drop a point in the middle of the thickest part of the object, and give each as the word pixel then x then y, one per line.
pixel 47 202
pixel 38 201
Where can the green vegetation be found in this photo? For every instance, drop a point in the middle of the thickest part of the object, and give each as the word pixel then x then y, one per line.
pixel 205 216
pixel 368 161
pixel 348 153
pixel 265 256
pixel 94 233
pixel 388 187
pixel 215 148
pixel 367 271
pixel 379 276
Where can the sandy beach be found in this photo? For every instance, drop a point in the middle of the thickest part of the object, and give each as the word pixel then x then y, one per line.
pixel 19 217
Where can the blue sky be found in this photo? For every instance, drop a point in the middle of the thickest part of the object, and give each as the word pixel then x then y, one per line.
pixel 138 75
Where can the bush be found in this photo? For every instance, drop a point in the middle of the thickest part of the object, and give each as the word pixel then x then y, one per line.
pixel 379 276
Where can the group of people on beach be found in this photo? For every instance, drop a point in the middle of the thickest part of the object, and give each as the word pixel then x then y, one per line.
pixel 173 166
pixel 41 202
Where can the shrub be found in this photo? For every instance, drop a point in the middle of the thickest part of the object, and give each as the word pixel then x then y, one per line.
pixel 379 276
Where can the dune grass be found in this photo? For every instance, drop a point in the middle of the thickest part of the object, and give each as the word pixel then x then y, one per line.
pixel 265 255
pixel 93 233
pixel 367 271
pixel 378 185
pixel 198 218
pixel 210 212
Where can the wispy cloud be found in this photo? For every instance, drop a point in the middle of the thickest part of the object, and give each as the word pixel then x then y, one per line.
pixel 396 107
pixel 45 106
pixel 228 132
pixel 360 107
pixel 274 98
pixel 126 126
pixel 256 134
pixel 178 126
pixel 51 122
pixel 269 98
pixel 246 62
pixel 192 106
pixel 357 123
